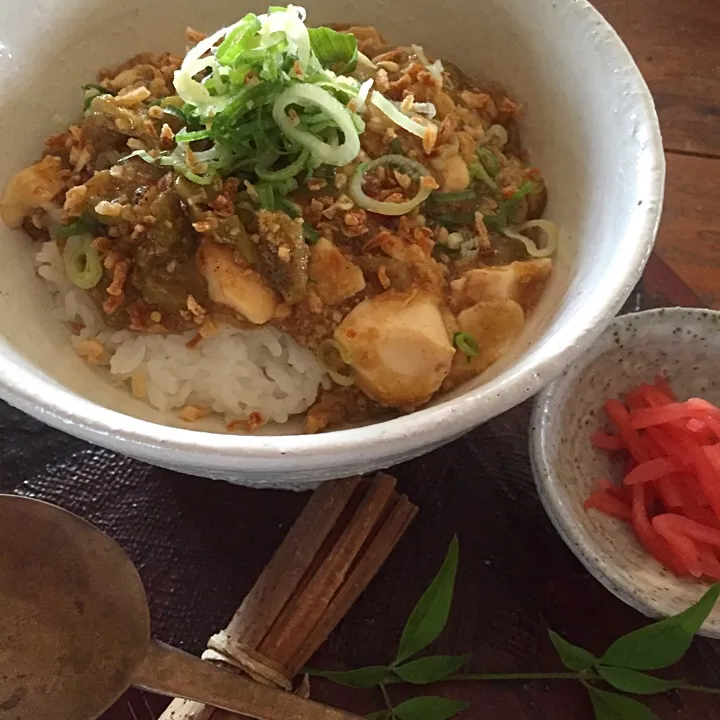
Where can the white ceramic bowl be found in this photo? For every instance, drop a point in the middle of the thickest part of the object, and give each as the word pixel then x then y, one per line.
pixel 591 126
pixel 680 343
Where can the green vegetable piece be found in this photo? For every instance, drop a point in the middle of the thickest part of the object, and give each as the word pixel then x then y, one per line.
pixel 335 50
pixel 572 656
pixel 478 172
pixel 93 90
pixel 611 706
pixel 489 161
pixel 266 194
pixel 310 234
pixel 86 224
pixel 82 262
pixel 430 615
pixel 396 147
pixel 288 207
pixel 454 219
pixel 431 669
pixel 663 643
pixel 429 708
pixel 262 169
pixel 239 41
pixel 508 209
pixel 101 89
pixel 366 677
pixel 523 190
pixel 492 222
pixel 632 681
pixel 186 137
pixel 466 343
pixel 453 197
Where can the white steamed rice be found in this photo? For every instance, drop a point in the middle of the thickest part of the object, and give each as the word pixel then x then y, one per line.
pixel 235 372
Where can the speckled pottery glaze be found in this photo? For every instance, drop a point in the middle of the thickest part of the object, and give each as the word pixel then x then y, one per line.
pixel 684 345
pixel 590 125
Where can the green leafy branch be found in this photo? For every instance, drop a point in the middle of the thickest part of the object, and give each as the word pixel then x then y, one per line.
pixel 624 669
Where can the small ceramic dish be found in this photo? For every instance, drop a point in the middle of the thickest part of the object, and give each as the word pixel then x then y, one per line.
pixel 684 345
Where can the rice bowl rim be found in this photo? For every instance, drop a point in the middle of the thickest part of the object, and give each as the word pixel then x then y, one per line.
pixel 51 403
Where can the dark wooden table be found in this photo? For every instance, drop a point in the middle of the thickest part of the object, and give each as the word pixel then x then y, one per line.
pixel 200 545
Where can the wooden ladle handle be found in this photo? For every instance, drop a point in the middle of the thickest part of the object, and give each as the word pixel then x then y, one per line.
pixel 172 672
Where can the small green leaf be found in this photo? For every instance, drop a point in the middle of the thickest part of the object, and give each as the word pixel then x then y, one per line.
pixel 431 669
pixel 430 615
pixel 632 681
pixel 611 706
pixel 429 708
pixel 366 677
pixel 335 50
pixel 572 656
pixel 663 643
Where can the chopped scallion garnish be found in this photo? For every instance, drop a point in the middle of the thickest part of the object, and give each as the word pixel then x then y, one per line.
pixel 489 160
pixel 459 218
pixel 334 50
pixel 93 90
pixel 86 224
pixel 453 197
pixel 288 207
pixel 82 262
pixel 478 171
pixel 466 343
pixel 187 137
pixel 508 209
pixel 310 234
pixel 396 146
pixel 266 195
pixel 266 87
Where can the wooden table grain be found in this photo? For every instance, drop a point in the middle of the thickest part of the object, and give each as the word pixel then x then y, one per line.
pixel 200 545
pixel 675 45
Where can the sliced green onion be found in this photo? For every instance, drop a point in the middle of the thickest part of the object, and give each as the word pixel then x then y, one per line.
pixel 330 358
pixel 183 113
pixel 492 222
pixel 266 194
pixel 86 224
pixel 235 41
pixel 82 263
pixel 497 132
pixel 264 173
pixel 187 137
pixel 93 90
pixel 478 171
pixel 552 233
pixel 101 89
pixel 310 234
pixel 284 187
pixel 288 207
pixel 363 95
pixel 412 167
pixel 322 152
pixel 523 190
pixel 459 218
pixel 466 343
pixel 453 197
pixel 335 50
pixel 396 147
pixel 507 210
pixel 489 161
pixel 395 114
